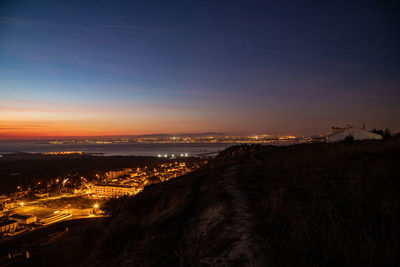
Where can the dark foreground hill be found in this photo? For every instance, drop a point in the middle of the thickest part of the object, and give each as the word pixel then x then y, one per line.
pixel 303 205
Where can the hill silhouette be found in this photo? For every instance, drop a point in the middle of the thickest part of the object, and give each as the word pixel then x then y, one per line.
pixel 315 204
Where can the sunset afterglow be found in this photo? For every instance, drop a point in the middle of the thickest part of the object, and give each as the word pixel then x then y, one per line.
pixel 173 71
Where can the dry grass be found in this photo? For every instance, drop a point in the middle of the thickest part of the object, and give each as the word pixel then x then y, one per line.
pixel 327 204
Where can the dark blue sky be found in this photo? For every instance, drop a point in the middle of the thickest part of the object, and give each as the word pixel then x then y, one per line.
pixel 128 67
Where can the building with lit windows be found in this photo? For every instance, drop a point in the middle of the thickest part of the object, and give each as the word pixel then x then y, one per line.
pixel 113 190
pixel 8 226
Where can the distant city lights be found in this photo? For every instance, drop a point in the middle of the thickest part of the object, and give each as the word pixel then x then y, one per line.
pixel 63 152
pixel 227 139
pixel 172 155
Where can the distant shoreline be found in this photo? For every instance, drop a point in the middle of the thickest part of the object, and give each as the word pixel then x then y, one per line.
pixel 119 149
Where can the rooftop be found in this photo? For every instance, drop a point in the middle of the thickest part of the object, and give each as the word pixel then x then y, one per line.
pixel 20 216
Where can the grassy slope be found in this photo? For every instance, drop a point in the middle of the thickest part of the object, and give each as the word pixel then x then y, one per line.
pixel 161 227
pixel 327 204
pixel 320 204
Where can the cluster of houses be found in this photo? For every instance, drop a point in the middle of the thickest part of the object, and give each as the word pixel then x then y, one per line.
pixel 129 181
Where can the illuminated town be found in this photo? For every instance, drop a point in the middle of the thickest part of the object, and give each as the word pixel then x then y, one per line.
pixel 47 202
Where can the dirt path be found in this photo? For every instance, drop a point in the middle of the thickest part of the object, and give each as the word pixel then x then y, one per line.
pixel 245 247
pixel 254 159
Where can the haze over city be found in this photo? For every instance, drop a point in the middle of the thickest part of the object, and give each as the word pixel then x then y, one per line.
pixel 90 68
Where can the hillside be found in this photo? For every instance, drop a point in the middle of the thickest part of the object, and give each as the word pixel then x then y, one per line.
pixel 303 205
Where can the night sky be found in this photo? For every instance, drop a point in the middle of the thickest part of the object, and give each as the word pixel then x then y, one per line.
pixel 76 68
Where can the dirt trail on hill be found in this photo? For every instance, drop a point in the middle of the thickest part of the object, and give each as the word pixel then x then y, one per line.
pixel 242 248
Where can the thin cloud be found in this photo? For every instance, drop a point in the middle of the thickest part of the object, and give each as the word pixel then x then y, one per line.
pixel 127 27
pixel 33 22
pixel 44 109
pixel 23 125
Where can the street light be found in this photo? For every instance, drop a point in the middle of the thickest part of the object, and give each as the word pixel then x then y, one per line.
pixel 96 206
pixel 22 204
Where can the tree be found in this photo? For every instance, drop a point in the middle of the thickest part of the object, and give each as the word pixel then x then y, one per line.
pixel 387 134
pixel 349 139
pixel 377 131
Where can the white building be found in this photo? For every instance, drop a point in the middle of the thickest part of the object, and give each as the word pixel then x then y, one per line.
pixel 114 190
pixel 339 134
pixel 118 173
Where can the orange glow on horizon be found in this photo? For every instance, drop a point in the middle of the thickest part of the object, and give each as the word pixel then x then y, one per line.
pixel 54 130
pixel 43 120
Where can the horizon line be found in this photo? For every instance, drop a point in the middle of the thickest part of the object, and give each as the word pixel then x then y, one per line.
pixel 27 138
